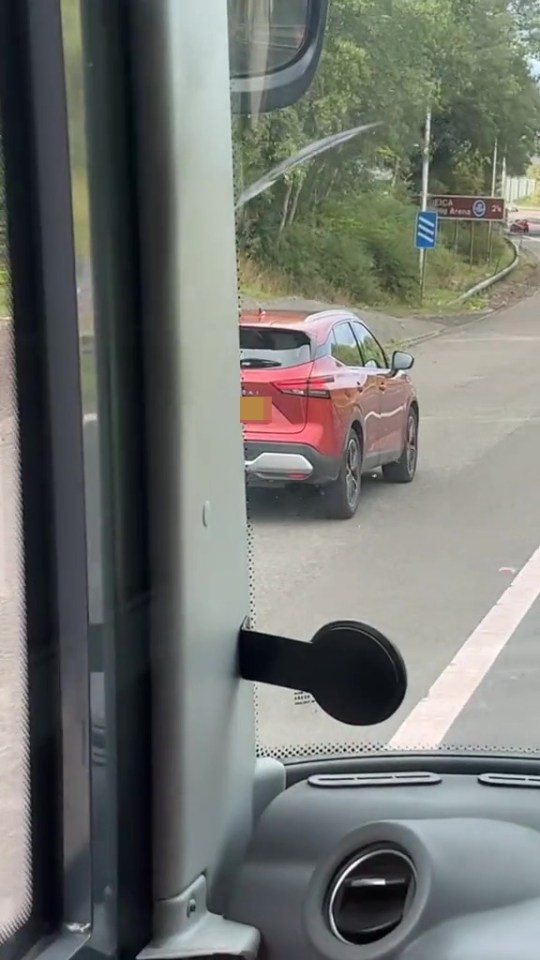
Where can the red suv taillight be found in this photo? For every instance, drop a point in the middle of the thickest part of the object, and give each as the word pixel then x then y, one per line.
pixel 310 387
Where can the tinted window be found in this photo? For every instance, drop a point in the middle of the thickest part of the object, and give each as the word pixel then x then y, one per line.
pixel 372 352
pixel 273 347
pixel 344 346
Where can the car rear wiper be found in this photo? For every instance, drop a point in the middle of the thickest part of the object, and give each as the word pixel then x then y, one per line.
pixel 258 362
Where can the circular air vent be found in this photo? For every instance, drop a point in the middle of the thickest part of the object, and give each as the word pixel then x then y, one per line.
pixel 369 896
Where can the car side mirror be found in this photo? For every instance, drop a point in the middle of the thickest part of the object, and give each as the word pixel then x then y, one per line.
pixel 274 49
pixel 402 360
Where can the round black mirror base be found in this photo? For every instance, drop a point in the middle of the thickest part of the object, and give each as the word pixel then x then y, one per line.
pixel 354 673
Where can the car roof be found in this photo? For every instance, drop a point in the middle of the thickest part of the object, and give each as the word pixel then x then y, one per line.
pixel 318 323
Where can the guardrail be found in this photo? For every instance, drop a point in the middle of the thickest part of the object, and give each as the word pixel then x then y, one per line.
pixel 489 281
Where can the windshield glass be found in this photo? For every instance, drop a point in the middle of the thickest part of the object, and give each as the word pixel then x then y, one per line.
pixel 402 460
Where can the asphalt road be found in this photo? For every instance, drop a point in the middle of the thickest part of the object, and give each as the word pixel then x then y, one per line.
pixel 532 215
pixel 426 562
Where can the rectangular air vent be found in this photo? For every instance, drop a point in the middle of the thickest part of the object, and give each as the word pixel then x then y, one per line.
pixel 336 780
pixel 509 780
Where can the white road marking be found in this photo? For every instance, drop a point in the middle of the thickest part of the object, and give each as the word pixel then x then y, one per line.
pixel 429 721
pixel 478 418
pixel 450 339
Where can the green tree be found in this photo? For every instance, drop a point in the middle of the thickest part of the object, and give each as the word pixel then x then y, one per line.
pixel 386 61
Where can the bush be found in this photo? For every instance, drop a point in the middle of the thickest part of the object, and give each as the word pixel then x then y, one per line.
pixel 443 265
pixel 361 249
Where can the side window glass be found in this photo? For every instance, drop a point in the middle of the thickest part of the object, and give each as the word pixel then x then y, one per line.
pixel 344 346
pixel 372 352
pixel 15 876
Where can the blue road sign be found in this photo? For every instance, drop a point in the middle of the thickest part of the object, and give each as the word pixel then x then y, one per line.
pixel 426 230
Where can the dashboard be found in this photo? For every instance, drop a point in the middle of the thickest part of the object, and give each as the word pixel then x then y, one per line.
pixel 396 866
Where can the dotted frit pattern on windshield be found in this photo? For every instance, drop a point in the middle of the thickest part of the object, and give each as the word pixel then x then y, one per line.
pixel 15 866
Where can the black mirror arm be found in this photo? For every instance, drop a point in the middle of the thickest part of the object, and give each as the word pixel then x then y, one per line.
pixel 352 671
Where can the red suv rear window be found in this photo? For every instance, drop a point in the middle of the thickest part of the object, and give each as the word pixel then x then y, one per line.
pixel 273 347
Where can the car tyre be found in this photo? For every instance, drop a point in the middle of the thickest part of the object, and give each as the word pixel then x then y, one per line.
pixel 404 469
pixel 342 496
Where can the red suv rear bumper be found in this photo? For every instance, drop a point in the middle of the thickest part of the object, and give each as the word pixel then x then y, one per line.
pixel 278 463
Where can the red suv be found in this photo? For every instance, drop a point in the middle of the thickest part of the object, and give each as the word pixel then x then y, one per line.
pixel 339 407
pixel 519 226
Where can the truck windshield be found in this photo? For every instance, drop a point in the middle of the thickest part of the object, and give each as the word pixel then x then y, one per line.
pixel 394 190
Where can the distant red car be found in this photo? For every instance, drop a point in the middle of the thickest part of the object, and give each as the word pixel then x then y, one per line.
pixel 340 407
pixel 519 226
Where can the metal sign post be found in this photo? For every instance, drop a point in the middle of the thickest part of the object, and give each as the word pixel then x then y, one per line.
pixel 425 188
pixel 493 189
pixel 425 239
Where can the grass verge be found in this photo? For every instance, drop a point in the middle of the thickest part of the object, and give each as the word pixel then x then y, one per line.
pixel 532 202
pixel 261 283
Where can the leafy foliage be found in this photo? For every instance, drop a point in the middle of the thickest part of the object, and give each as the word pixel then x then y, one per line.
pixel 345 219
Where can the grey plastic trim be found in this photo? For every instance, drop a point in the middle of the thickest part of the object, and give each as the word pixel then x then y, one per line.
pixel 270 777
pixel 439 763
pixel 509 780
pixel 203 715
pixel 273 465
pixel 475 852
pixel 115 482
pixel 188 929
pixel 337 781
